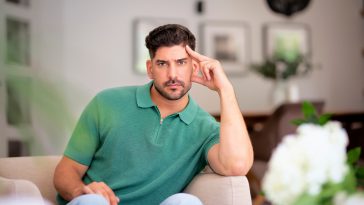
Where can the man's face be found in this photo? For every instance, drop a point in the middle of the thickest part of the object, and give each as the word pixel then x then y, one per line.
pixel 171 69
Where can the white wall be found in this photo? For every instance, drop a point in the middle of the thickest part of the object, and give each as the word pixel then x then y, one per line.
pixel 45 23
pixel 47 54
pixel 87 45
pixel 98 48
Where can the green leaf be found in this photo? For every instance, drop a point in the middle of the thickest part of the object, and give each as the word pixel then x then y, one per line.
pixel 313 119
pixel 323 119
pixel 298 122
pixel 308 109
pixel 307 199
pixel 359 172
pixel 353 155
pixel 349 184
pixel 310 116
pixel 329 190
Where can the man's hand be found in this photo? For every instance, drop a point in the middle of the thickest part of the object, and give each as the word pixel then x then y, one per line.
pixel 213 75
pixel 73 187
pixel 102 189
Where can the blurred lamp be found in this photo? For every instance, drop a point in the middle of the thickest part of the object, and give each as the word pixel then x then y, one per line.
pixel 287 7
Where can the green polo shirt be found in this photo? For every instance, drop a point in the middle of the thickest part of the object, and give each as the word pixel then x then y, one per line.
pixel 121 138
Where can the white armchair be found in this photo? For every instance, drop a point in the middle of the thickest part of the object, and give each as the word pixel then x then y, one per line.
pixel 33 177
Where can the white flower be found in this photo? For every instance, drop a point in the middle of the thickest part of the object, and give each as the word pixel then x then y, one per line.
pixel 303 162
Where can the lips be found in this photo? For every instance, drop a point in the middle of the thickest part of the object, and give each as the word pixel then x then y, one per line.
pixel 174 83
pixel 173 86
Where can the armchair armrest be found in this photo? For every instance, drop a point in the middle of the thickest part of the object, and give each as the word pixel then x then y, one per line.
pixel 19 191
pixel 212 189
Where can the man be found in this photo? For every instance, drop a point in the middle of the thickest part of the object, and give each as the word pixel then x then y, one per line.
pixel 143 144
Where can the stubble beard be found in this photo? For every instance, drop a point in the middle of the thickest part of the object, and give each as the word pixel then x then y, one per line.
pixel 172 96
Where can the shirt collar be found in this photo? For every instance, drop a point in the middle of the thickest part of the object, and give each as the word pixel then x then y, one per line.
pixel 144 100
pixel 188 114
pixel 143 96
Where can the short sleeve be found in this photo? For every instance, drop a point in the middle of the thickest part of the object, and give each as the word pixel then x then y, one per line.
pixel 85 137
pixel 214 138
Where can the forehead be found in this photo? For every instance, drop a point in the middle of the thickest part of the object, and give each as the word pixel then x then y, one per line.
pixel 171 53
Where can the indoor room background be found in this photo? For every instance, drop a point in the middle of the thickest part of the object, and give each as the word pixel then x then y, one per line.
pixel 80 47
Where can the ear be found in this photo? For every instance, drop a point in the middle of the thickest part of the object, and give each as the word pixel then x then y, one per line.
pixel 149 69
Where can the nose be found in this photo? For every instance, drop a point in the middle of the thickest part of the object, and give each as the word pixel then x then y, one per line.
pixel 172 72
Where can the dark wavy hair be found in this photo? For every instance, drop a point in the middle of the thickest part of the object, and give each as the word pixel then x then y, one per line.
pixel 169 35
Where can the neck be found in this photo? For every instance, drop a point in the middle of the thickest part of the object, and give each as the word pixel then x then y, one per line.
pixel 167 107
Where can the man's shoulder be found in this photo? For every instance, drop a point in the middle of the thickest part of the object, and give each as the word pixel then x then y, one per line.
pixel 116 95
pixel 203 115
pixel 117 91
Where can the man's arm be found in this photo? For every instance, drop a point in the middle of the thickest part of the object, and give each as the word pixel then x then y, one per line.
pixel 68 182
pixel 234 154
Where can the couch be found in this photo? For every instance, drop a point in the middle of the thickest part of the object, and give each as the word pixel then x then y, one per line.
pixel 33 177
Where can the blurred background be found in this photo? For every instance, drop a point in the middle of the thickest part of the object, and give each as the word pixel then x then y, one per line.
pixel 57 54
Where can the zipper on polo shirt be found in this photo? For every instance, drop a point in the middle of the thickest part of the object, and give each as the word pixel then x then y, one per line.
pixel 156 136
pixel 163 122
pixel 158 128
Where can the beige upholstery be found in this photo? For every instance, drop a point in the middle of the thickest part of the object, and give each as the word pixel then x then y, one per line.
pixel 37 172
pixel 215 189
pixel 20 187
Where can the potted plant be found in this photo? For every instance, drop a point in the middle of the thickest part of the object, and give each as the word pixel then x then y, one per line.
pixel 286 63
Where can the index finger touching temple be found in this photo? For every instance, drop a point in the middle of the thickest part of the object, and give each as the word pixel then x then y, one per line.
pixel 195 55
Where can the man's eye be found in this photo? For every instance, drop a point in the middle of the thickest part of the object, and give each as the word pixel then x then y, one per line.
pixel 161 64
pixel 181 62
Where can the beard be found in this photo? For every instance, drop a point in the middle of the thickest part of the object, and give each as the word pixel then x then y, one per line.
pixel 175 94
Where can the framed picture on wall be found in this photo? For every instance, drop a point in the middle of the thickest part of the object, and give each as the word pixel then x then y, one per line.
pixel 286 40
pixel 24 3
pixel 18 100
pixel 17 41
pixel 228 42
pixel 141 28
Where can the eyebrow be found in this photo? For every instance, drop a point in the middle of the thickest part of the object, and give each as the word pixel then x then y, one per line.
pixel 181 59
pixel 165 61
pixel 161 61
